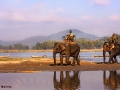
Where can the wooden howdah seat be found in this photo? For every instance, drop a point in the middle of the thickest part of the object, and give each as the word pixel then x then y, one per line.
pixel 70 39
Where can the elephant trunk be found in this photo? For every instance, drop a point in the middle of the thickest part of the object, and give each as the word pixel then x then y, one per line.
pixel 54 57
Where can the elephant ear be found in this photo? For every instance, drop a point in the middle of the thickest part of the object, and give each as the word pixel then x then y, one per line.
pixel 55 44
pixel 62 47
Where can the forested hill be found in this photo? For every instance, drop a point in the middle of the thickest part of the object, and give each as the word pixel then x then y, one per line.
pixel 31 41
pixel 77 33
pixel 57 36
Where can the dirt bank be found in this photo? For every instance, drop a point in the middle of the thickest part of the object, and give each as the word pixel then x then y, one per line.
pixel 46 64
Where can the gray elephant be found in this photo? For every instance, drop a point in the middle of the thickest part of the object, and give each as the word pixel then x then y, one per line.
pixel 114 53
pixel 105 49
pixel 67 49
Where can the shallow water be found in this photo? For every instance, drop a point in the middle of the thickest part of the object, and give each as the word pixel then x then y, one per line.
pixel 88 56
pixel 61 80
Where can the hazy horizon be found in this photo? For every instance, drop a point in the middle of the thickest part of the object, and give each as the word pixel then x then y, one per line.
pixel 20 19
pixel 48 35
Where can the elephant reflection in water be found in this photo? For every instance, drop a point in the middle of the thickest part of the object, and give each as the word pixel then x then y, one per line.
pixel 112 81
pixel 68 82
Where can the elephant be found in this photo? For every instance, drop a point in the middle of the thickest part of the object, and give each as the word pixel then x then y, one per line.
pixel 107 46
pixel 68 49
pixel 105 49
pixel 114 52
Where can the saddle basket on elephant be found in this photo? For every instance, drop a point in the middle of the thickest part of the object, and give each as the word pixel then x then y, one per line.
pixel 69 38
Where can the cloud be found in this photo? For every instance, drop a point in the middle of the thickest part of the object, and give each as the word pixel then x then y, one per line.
pixel 92 20
pixel 101 2
pixel 60 10
pixel 37 13
pixel 86 18
pixel 43 19
pixel 115 17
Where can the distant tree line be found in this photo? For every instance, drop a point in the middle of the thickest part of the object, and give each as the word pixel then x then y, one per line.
pixel 84 44
pixel 18 46
pixel 44 45
pixel 89 44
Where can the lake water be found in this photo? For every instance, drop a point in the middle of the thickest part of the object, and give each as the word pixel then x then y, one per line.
pixel 61 80
pixel 88 56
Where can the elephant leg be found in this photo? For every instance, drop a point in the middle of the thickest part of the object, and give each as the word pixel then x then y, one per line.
pixel 104 56
pixel 78 62
pixel 73 63
pixel 61 59
pixel 110 59
pixel 67 59
pixel 115 59
pixel 76 59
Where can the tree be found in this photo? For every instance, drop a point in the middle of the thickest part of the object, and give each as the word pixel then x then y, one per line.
pixel 38 47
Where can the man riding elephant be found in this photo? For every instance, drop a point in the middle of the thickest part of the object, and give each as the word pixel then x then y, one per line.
pixel 70 36
pixel 113 38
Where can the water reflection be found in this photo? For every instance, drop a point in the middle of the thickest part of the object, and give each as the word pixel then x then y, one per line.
pixel 61 80
pixel 113 80
pixel 67 81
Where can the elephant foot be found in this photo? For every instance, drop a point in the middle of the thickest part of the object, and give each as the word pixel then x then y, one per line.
pixel 105 62
pixel 61 64
pixel 78 62
pixel 109 63
pixel 73 64
pixel 116 61
pixel 54 65
pixel 69 63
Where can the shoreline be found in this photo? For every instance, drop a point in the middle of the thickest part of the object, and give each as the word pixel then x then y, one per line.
pixel 20 65
pixel 17 51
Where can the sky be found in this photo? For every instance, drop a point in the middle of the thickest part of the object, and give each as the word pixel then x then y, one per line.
pixel 20 19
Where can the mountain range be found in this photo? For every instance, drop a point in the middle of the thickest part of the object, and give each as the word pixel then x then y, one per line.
pixel 31 41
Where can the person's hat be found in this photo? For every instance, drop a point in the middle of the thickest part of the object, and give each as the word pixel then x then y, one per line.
pixel 113 33
pixel 70 31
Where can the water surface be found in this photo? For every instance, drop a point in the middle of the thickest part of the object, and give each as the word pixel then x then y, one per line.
pixel 88 56
pixel 58 80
